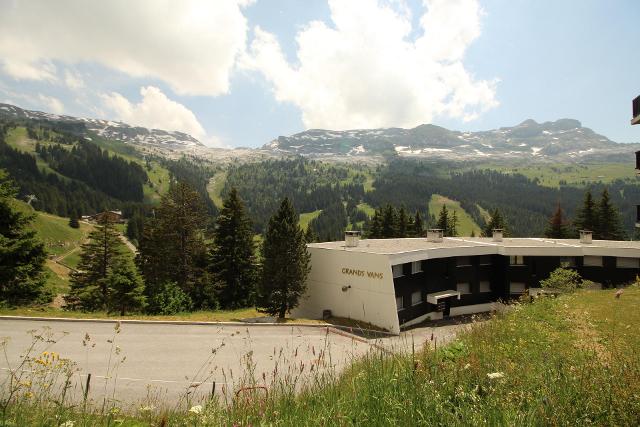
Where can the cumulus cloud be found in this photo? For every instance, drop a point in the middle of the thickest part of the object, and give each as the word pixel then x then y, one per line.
pixel 369 69
pixel 50 103
pixel 154 111
pixel 192 45
pixel 73 80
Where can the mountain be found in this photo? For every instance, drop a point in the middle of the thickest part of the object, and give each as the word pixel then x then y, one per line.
pixel 562 140
pixel 106 129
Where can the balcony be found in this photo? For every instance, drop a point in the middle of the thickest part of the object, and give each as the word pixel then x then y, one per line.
pixel 636 111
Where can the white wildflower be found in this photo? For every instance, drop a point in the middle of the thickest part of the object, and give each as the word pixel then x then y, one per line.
pixel 67 424
pixel 147 408
pixel 467 366
pixel 495 375
pixel 196 409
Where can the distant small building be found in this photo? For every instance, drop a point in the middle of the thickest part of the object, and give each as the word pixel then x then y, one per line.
pixel 110 216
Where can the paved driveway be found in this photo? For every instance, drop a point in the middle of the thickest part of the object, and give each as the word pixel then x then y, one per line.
pixel 151 363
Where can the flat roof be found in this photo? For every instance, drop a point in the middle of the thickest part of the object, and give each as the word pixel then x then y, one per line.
pixel 453 246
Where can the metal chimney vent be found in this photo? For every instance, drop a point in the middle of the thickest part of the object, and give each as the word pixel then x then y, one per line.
pixel 586 236
pixel 351 238
pixel 497 234
pixel 434 235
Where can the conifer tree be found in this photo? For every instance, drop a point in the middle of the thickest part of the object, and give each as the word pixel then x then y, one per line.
pixel 233 255
pixel 473 233
pixel 587 216
pixel 22 255
pixel 609 225
pixel 126 289
pixel 443 220
pixel 403 222
pixel 557 227
pixel 389 227
pixel 89 283
pixel 285 263
pixel 418 226
pixel 73 220
pixel 452 225
pixel 375 227
pixel 495 222
pixel 310 236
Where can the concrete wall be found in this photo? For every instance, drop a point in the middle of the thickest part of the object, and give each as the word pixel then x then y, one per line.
pixel 369 295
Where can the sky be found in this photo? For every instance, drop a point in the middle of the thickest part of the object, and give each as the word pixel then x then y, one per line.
pixel 239 73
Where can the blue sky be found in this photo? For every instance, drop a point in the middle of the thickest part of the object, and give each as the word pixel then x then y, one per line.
pixel 240 72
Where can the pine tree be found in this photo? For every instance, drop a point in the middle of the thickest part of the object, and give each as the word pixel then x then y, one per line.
pixel 310 236
pixel 473 233
pixel 285 263
pixel 443 220
pixel 609 225
pixel 375 228
pixel 403 222
pixel 452 226
pixel 389 226
pixel 126 289
pixel 418 226
pixel 73 220
pixel 496 222
pixel 22 255
pixel 89 284
pixel 557 227
pixel 233 258
pixel 587 216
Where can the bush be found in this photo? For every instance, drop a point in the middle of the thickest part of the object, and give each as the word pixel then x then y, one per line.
pixel 170 300
pixel 563 279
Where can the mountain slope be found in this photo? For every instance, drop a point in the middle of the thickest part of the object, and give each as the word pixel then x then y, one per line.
pixel 562 140
pixel 106 128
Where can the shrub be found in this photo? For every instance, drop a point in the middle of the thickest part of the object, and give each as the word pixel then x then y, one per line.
pixel 170 300
pixel 563 279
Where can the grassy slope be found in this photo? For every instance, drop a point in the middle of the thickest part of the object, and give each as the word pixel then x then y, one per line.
pixel 215 186
pixel 465 223
pixel 305 218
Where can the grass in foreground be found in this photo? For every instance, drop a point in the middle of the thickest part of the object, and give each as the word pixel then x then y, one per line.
pixel 574 360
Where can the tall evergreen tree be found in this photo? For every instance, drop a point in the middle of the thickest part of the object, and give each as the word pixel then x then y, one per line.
pixel 285 263
pixel 126 289
pixel 389 228
pixel 375 227
pixel 233 256
pixel 609 225
pixel 403 222
pixel 452 226
pixel 73 220
pixel 557 227
pixel 495 222
pixel 310 236
pixel 22 255
pixel 418 225
pixel 587 216
pixel 89 283
pixel 443 220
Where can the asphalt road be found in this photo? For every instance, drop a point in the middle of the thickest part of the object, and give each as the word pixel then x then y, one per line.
pixel 152 364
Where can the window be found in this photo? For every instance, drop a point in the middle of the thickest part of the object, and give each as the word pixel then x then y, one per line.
pixel 567 261
pixel 592 261
pixel 416 298
pixel 623 262
pixel 485 286
pixel 517 287
pixel 516 260
pixel 484 260
pixel 399 303
pixel 416 267
pixel 462 261
pixel 463 288
pixel 397 271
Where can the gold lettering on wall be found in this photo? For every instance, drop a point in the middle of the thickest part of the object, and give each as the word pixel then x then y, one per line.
pixel 362 273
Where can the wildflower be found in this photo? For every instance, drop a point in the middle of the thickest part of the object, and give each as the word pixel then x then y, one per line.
pixel 495 375
pixel 196 409
pixel 67 424
pixel 467 366
pixel 147 408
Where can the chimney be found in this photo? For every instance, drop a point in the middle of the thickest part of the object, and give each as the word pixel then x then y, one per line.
pixel 497 234
pixel 351 238
pixel 434 235
pixel 586 236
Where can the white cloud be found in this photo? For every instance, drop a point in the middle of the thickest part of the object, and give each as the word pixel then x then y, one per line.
pixel 73 80
pixel 154 111
pixel 50 103
pixel 192 44
pixel 367 71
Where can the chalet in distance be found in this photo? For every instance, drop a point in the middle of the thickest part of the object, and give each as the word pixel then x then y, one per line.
pixel 394 283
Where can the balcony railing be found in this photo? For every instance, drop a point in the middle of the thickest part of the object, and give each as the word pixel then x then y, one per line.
pixel 636 111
